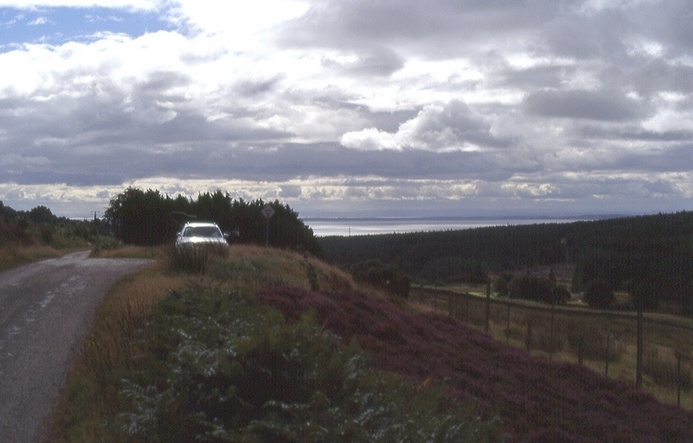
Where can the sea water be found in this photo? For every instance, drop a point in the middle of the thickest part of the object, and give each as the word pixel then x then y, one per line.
pixel 323 227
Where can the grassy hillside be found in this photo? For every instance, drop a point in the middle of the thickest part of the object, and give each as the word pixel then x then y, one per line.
pixel 183 357
pixel 269 345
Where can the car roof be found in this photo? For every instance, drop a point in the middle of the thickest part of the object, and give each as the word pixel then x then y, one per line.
pixel 199 224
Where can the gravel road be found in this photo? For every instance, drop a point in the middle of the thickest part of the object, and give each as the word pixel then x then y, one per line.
pixel 45 310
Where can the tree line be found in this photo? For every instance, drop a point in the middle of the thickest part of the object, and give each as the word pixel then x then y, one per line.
pixel 650 257
pixel 39 215
pixel 40 226
pixel 150 218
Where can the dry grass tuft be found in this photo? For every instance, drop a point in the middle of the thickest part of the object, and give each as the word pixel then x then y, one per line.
pixel 248 268
pixel 113 343
pixel 121 314
pixel 11 256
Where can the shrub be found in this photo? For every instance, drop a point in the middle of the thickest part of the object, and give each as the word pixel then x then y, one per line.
pixel 230 369
pixel 561 294
pixel 196 259
pixel 47 235
pixel 382 276
pixel 598 294
pixel 501 284
pixel 312 275
pixel 531 287
pixel 102 243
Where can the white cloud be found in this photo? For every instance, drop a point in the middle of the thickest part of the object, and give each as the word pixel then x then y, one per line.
pixel 437 127
pixel 243 25
pixel 370 139
pixel 38 22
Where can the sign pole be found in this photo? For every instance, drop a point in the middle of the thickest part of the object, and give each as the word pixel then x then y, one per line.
pixel 268 212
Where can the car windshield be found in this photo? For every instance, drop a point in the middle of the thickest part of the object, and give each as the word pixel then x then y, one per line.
pixel 202 231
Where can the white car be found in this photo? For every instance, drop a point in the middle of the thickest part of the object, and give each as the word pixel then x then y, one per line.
pixel 201 235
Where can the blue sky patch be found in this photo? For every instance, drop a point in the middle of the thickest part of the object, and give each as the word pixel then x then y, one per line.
pixel 59 25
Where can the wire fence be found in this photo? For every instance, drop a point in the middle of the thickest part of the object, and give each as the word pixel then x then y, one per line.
pixel 654 354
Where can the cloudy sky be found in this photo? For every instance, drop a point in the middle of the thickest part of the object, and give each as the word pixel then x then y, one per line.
pixel 350 107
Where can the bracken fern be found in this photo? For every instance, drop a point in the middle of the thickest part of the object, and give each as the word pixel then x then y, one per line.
pixel 231 369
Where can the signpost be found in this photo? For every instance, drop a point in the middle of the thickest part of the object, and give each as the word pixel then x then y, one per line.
pixel 268 212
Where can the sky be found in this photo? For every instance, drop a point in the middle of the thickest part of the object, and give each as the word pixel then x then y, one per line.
pixel 350 107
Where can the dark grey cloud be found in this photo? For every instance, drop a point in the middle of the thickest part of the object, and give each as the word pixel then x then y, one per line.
pixel 582 104
pixel 667 22
pixel 85 178
pixel 284 162
pixel 453 25
pixel 530 78
pixel 288 161
pixel 650 76
pixel 632 133
pixel 376 62
pixel 586 36
pixel 255 87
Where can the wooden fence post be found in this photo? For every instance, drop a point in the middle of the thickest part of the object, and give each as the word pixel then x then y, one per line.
pixel 606 356
pixel 507 324
pixel 679 379
pixel 552 337
pixel 639 353
pixel 488 305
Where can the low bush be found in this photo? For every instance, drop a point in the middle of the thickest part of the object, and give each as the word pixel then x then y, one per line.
pixel 598 294
pixel 194 259
pixel 531 287
pixel 225 368
pixel 501 284
pixel 382 276
pixel 102 243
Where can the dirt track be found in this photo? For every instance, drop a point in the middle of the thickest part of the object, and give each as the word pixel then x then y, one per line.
pixel 45 309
